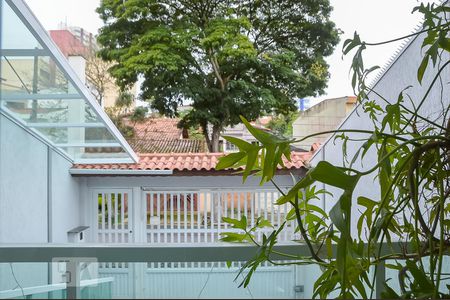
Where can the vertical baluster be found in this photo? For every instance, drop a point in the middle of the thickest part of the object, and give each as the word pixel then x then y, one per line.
pixel 122 218
pixel 252 208
pixel 116 222
pixel 245 205
pixel 185 216
pixel 211 213
pixel 266 207
pixel 178 217
pixel 150 229
pixel 158 214
pixel 279 215
pixel 171 219
pixel 232 204
pixel 199 220
pixel 109 211
pixel 287 228
pixel 103 219
pixel 191 235
pixel 272 200
pixel 259 202
pixel 219 213
pixel 205 216
pixel 239 205
pixel 130 220
pixel 226 203
pixel 165 217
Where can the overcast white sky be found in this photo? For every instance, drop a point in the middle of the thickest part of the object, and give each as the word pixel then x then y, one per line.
pixel 374 20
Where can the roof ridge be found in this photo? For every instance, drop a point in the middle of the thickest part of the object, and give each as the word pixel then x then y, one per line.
pixel 182 154
pixel 404 44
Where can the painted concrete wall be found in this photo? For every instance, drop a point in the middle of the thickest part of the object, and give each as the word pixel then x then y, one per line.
pixel 321 117
pixel 25 180
pixel 65 199
pixel 23 186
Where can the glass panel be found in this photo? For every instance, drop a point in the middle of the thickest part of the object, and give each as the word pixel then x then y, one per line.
pixel 52 111
pixel 20 37
pixel 165 280
pixel 32 75
pixel 35 89
pixel 96 152
pixel 77 135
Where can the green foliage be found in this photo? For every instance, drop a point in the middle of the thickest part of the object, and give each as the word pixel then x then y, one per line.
pixel 124 100
pixel 228 58
pixel 411 169
pixel 139 114
pixel 116 116
pixel 282 124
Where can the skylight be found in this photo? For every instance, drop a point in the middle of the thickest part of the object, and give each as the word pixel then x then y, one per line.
pixel 39 90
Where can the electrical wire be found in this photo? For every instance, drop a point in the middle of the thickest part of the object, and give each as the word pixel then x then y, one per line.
pixel 17 282
pixel 206 282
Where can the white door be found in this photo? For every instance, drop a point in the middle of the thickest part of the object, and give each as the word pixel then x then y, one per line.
pixel 113 221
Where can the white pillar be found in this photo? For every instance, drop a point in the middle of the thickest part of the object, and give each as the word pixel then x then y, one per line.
pixel 76 107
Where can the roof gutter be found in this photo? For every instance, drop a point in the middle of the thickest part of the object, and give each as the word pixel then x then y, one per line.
pixel 119 172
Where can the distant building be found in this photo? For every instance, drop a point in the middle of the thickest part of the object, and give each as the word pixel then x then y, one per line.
pixel 79 46
pixel 326 115
pixel 241 132
pixel 304 104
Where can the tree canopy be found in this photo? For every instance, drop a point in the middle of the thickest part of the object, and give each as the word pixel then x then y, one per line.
pixel 228 58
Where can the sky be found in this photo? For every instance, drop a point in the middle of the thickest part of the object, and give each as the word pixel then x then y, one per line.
pixel 375 21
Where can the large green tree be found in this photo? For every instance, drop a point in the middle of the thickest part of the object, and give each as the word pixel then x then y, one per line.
pixel 228 58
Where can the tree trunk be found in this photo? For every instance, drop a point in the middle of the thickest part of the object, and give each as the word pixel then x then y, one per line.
pixel 206 135
pixel 215 136
pixel 212 141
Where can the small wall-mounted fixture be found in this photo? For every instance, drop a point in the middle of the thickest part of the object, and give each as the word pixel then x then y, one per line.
pixel 77 234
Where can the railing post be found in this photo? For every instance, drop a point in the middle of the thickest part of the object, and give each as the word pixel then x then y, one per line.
pixel 380 279
pixel 73 280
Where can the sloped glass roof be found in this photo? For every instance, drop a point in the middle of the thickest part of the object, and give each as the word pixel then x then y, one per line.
pixel 40 90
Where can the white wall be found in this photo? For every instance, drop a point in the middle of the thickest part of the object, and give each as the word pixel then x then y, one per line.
pixel 180 181
pixel 25 179
pixel 23 186
pixel 65 199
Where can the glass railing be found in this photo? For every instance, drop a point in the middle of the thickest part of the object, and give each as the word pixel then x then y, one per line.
pixel 98 271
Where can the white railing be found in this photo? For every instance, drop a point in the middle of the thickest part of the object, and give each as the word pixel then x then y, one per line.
pixel 192 216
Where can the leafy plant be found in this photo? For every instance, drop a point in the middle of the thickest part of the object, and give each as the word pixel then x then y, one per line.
pixel 411 165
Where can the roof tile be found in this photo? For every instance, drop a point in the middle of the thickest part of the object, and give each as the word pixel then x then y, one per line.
pixel 186 162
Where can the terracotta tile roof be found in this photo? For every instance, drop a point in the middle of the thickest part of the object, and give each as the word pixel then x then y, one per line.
pixel 161 135
pixel 185 162
pixel 156 129
pixel 167 145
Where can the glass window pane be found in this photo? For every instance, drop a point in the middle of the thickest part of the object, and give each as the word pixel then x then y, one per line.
pixel 20 37
pixel 96 152
pixel 75 111
pixel 32 75
pixel 78 135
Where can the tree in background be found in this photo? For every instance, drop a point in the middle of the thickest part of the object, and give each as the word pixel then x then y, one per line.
pixel 120 109
pixel 282 124
pixel 98 76
pixel 227 57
